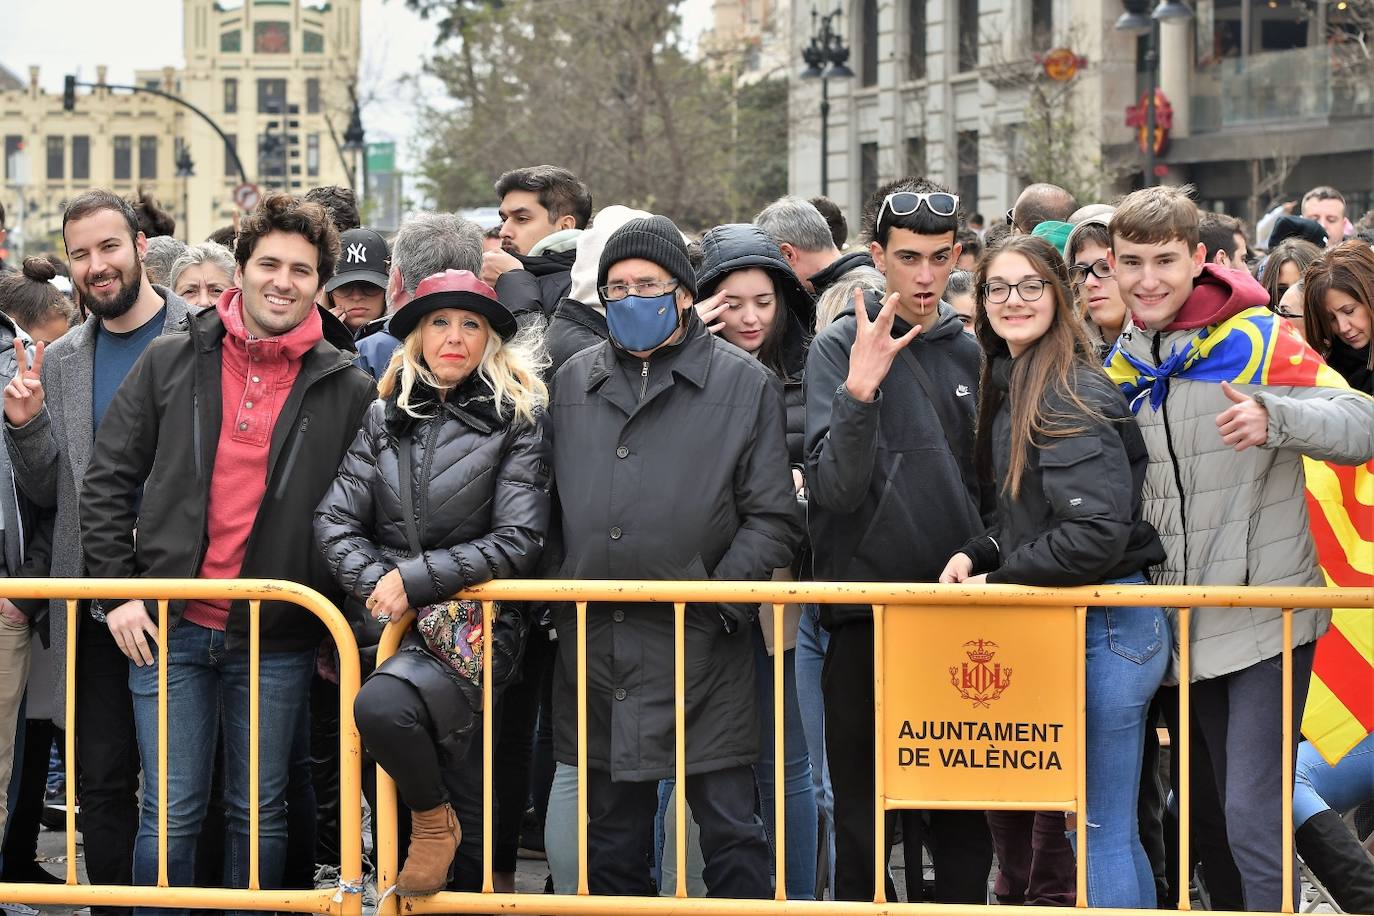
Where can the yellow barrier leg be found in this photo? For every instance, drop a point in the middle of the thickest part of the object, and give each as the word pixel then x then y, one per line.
pixel 488 773
pixel 162 743
pixel 582 749
pixel 1081 751
pixel 879 789
pixel 1185 753
pixel 254 740
pixel 69 763
pixel 779 760
pixel 680 733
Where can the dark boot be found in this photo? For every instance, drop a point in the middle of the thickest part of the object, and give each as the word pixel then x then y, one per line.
pixel 1338 860
pixel 434 836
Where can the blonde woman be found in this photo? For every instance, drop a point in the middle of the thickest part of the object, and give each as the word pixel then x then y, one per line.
pixel 445 487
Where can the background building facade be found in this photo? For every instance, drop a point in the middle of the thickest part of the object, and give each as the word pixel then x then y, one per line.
pixel 1266 98
pixel 275 75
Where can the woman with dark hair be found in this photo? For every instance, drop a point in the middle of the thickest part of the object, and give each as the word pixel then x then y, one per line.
pixel 750 296
pixel 1285 265
pixel 1338 311
pixel 1057 439
pixel 31 300
pixel 445 487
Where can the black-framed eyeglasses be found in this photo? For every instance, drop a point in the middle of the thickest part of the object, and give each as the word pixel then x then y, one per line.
pixel 650 288
pixel 904 203
pixel 1078 273
pixel 1287 313
pixel 1029 290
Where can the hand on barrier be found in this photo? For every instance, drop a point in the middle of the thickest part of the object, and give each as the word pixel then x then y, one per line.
pixel 1241 426
pixel 388 600
pixel 874 349
pixel 24 393
pixel 959 568
pixel 710 310
pixel 131 626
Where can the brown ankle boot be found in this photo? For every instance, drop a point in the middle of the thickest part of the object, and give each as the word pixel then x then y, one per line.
pixel 434 836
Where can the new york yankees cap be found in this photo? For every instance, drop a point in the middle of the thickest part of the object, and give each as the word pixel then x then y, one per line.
pixel 363 257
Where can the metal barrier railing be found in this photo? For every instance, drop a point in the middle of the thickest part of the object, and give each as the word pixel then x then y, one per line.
pixel 346 899
pixel 885 599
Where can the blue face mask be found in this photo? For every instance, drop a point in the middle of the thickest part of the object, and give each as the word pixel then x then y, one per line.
pixel 641 323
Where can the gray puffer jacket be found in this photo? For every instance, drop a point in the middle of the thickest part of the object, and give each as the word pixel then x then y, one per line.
pixel 1240 518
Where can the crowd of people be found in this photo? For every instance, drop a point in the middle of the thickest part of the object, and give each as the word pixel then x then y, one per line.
pixel 1070 397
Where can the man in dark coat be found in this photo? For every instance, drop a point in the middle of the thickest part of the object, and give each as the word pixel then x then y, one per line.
pixel 670 452
pixel 806 241
pixel 890 397
pixel 218 445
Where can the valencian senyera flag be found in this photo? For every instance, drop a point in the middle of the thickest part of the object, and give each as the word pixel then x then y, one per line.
pixel 1256 347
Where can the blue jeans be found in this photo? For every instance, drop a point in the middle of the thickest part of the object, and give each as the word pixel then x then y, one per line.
pixel 1340 788
pixel 812 639
pixel 207 685
pixel 800 797
pixel 1128 650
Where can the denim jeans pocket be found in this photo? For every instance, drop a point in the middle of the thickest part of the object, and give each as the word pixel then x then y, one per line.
pixel 1136 634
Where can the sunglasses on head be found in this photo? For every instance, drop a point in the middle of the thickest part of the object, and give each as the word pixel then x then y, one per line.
pixel 905 203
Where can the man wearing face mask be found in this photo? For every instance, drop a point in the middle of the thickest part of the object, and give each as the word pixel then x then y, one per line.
pixel 662 403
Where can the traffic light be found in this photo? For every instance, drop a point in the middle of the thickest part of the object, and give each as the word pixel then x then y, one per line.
pixel 68 93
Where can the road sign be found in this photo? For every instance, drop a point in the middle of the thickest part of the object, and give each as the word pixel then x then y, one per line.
pixel 247 196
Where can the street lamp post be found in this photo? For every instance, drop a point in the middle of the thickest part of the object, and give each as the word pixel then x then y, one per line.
pixel 186 170
pixel 355 143
pixel 826 47
pixel 1136 21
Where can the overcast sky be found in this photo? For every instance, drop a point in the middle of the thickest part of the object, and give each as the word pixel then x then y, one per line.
pixel 146 34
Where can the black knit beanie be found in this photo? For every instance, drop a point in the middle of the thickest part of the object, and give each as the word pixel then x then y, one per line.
pixel 652 238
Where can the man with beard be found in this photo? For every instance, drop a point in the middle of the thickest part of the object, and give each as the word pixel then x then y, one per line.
pixel 52 411
pixel 543 212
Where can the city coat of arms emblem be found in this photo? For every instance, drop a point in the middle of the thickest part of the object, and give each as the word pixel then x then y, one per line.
pixel 980 679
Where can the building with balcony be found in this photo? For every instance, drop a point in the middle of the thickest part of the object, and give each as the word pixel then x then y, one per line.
pixel 274 75
pixel 1266 99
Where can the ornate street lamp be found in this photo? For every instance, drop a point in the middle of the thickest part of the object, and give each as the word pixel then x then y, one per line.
pixel 1136 21
pixel 826 48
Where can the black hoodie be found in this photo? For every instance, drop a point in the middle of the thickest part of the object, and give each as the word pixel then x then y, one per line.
pixel 890 499
pixel 825 278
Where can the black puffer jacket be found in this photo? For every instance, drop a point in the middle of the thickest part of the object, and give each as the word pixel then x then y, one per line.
pixel 481 510
pixel 1078 518
pixel 740 246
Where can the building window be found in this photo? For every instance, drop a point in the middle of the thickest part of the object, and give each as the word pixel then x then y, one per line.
pixel 147 157
pixel 57 158
pixel 81 157
pixel 968 169
pixel 968 35
pixel 271 96
pixel 312 95
pixel 271 155
pixel 869 51
pixel 868 169
pixel 916 156
pixel 123 158
pixel 312 42
pixel 231 95
pixel 230 148
pixel 916 39
pixel 231 42
pixel 1042 24
pixel 312 154
pixel 271 38
pixel 14 147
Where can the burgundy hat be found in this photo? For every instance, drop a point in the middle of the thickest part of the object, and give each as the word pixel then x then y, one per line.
pixel 452 289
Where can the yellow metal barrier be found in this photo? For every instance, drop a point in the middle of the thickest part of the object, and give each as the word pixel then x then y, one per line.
pixel 885 599
pixel 345 900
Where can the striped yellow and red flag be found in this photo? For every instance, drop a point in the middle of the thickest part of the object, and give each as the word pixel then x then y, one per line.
pixel 1340 701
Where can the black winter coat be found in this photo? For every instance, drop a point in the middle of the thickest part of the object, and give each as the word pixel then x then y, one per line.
pixel 538 288
pixel 1078 518
pixel 889 500
pixel 575 327
pixel 825 278
pixel 680 473
pixel 161 432
pixel 481 509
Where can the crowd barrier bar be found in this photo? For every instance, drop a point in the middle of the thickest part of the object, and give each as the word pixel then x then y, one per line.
pixel 344 900
pixel 879 596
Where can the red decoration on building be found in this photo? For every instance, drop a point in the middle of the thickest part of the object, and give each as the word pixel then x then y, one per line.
pixel 1137 117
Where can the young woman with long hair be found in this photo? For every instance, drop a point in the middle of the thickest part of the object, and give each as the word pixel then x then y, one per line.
pixel 1338 311
pixel 1057 439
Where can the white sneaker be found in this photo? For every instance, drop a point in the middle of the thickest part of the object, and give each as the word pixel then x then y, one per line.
pixel 326 876
pixel 18 909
